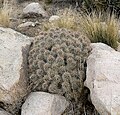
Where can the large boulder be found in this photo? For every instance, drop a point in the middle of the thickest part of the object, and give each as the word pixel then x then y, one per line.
pixel 14 49
pixel 41 103
pixel 103 79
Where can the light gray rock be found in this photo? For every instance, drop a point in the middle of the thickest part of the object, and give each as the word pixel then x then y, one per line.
pixel 103 79
pixel 34 9
pixel 13 65
pixel 101 46
pixel 41 103
pixel 54 18
pixel 3 112
pixel 26 24
pixel 118 48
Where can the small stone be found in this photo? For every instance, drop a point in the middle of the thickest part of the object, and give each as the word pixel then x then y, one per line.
pixel 41 103
pixel 27 24
pixel 54 18
pixel 33 10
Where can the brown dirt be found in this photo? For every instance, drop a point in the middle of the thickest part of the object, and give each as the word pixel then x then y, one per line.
pixel 17 18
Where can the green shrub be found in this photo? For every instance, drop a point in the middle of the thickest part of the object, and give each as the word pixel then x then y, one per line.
pixel 102 30
pixel 56 64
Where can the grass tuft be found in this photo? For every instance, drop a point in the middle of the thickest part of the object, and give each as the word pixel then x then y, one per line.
pixel 102 5
pixel 99 29
pixel 68 19
pixel 5 16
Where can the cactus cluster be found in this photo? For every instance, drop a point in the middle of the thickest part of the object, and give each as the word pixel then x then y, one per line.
pixel 56 63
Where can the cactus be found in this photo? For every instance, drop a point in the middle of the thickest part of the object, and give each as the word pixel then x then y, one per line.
pixel 56 63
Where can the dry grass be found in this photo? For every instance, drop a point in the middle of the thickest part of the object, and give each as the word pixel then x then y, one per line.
pixel 68 19
pixel 5 16
pixel 102 30
pixel 97 28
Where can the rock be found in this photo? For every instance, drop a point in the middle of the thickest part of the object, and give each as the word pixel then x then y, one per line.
pixel 103 79
pixel 3 112
pixel 118 48
pixel 101 46
pixel 27 24
pixel 54 18
pixel 41 103
pixel 29 28
pixel 34 9
pixel 13 65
